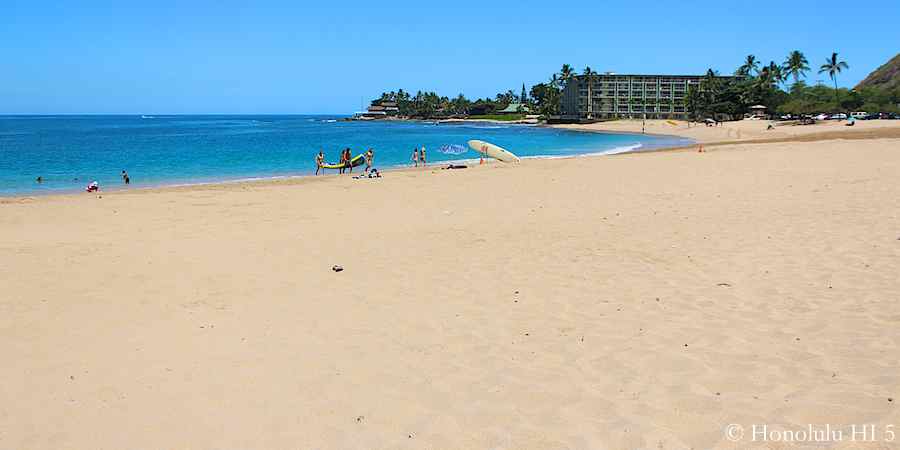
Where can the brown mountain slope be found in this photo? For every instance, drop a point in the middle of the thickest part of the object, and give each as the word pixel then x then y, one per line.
pixel 885 77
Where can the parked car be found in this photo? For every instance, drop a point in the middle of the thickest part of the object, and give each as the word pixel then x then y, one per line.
pixel 838 116
pixel 822 116
pixel 859 115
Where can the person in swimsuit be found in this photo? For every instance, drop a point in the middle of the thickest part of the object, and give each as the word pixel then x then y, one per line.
pixel 320 159
pixel 370 156
pixel 422 157
pixel 343 161
pixel 415 156
pixel 349 157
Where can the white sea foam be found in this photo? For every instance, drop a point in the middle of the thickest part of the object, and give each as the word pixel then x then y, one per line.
pixel 610 151
pixel 625 149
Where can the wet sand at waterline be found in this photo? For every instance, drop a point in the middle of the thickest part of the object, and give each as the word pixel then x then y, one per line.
pixel 633 301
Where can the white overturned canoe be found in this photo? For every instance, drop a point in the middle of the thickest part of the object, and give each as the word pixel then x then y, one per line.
pixel 493 151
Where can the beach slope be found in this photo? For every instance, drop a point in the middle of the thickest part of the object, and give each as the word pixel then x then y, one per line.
pixel 635 301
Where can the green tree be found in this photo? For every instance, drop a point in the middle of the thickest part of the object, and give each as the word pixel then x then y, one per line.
pixel 795 65
pixel 589 78
pixel 833 67
pixel 751 65
pixel 565 74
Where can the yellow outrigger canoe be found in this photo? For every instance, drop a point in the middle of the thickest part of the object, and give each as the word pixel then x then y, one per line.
pixel 355 161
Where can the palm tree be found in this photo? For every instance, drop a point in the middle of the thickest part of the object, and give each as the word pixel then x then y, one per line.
pixel 776 75
pixel 833 67
pixel 795 65
pixel 554 81
pixel 751 64
pixel 589 76
pixel 566 74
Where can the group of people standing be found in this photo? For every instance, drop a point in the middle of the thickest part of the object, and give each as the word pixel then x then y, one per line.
pixel 418 156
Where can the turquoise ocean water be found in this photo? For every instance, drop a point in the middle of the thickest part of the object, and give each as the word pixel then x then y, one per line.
pixel 70 151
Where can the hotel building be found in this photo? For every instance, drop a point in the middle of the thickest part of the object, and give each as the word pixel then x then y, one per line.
pixel 627 96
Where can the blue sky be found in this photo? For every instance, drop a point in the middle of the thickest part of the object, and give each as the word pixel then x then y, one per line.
pixel 155 57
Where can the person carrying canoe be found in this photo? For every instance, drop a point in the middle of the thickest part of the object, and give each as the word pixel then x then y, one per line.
pixel 345 161
pixel 320 160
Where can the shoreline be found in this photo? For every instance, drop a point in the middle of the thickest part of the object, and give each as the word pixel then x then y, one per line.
pixel 288 178
pixel 887 130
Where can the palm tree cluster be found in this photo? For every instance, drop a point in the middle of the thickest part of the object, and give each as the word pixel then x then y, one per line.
pixel 758 84
pixel 427 105
pixel 542 98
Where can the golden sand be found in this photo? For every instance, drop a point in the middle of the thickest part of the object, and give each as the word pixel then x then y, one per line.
pixel 634 301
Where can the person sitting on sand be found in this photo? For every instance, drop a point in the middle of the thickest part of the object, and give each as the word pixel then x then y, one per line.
pixel 93 187
pixel 415 156
pixel 320 160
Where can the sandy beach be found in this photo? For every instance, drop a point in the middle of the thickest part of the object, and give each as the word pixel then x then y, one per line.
pixel 630 301
pixel 749 130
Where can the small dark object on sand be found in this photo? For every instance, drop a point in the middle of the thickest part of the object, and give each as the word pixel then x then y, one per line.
pixel 724 285
pixel 890 399
pixel 337 268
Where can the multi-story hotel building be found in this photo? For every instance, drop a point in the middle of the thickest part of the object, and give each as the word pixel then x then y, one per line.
pixel 627 96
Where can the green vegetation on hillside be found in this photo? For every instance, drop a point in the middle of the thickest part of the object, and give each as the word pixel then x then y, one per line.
pixel 886 77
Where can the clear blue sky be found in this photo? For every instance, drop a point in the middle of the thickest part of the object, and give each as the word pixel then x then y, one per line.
pixel 242 57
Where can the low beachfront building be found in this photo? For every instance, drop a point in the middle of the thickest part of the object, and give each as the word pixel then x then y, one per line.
pixel 515 108
pixel 384 108
pixel 610 96
pixel 758 111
